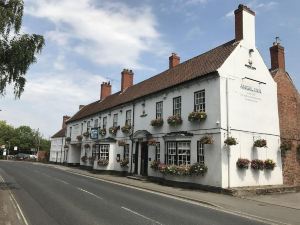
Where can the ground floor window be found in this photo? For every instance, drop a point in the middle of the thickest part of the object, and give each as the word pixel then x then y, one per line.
pixel 200 152
pixel 101 151
pixel 178 153
pixel 126 152
pixel 157 152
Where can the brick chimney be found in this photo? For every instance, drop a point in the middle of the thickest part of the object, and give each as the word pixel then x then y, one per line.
pixel 277 56
pixel 174 60
pixel 126 79
pixel 245 25
pixel 105 90
pixel 65 118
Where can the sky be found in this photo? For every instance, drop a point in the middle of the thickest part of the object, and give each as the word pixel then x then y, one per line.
pixel 91 41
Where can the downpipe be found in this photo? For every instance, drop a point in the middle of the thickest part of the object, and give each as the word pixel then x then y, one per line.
pixel 228 129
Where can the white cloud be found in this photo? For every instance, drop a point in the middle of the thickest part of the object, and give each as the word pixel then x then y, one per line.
pixel 109 34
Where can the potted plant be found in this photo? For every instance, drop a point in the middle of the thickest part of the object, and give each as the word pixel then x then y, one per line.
pixel 102 162
pixel 86 134
pixel 86 146
pixel 124 162
pixel 257 164
pixel 102 132
pixel 174 120
pixel 126 129
pixel 285 146
pixel 79 137
pixel 92 159
pixel 113 130
pixel 197 116
pixel 68 139
pixel 260 143
pixel 157 122
pixel 154 165
pixel 230 141
pixel 151 142
pixel 84 158
pixel 206 140
pixel 269 164
pixel 198 169
pixel 242 163
pixel 121 142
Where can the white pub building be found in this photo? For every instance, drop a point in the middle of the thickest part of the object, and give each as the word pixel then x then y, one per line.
pixel 211 120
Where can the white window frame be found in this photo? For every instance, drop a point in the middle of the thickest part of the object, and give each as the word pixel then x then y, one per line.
pixel 178 153
pixel 159 109
pixel 96 123
pixel 200 152
pixel 104 152
pixel 199 101
pixel 126 151
pixel 104 122
pixel 177 106
pixel 157 151
pixel 115 120
pixel 128 118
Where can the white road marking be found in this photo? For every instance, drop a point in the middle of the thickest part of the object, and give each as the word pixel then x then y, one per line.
pixel 90 193
pixel 138 214
pixel 65 182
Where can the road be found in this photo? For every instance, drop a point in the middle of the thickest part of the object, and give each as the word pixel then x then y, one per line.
pixel 48 196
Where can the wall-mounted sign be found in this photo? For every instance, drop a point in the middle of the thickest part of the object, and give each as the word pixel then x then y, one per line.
pixel 94 133
pixel 251 92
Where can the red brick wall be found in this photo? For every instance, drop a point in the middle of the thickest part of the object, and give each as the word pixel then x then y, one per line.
pixel 126 79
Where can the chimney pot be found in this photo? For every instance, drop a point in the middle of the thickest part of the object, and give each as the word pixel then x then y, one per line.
pixel 126 79
pixel 105 90
pixel 174 60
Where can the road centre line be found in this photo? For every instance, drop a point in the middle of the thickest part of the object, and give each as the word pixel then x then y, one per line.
pixel 90 193
pixel 138 214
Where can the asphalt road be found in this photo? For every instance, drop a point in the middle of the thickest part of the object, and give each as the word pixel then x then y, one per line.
pixel 48 196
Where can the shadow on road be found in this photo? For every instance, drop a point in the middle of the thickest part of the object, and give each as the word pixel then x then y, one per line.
pixel 7 186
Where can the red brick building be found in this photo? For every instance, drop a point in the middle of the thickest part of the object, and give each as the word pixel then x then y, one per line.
pixel 289 115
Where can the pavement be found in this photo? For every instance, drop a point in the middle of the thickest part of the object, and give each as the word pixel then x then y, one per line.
pixel 58 193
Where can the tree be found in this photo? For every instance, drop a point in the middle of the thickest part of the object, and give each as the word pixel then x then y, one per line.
pixel 17 51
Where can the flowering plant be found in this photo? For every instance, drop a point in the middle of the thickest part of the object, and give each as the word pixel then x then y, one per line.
pixel 151 142
pixel 126 129
pixel 124 162
pixel 79 137
pixel 230 141
pixel 113 130
pixel 197 116
pixel 102 132
pixel 182 170
pixel 155 165
pixel 103 162
pixel 121 142
pixel 68 139
pixel 84 158
pixel 206 140
pixel 174 120
pixel 260 143
pixel 92 159
pixel 198 169
pixel 269 164
pixel 157 122
pixel 242 163
pixel 86 134
pixel 257 164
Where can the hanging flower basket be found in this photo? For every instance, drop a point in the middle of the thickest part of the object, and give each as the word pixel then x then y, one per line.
pixel 230 141
pixel 154 165
pixel 121 143
pixel 84 158
pixel 269 164
pixel 92 159
pixel 243 163
pixel 257 164
pixel 151 142
pixel 124 163
pixel 206 140
pixel 86 146
pixel 197 116
pixel 285 147
pixel 126 129
pixel 79 137
pixel 260 143
pixel 102 162
pixel 174 120
pixel 102 132
pixel 157 122
pixel 113 130
pixel 68 139
pixel 86 134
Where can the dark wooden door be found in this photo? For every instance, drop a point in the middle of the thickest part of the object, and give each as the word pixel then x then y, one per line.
pixel 136 158
pixel 144 159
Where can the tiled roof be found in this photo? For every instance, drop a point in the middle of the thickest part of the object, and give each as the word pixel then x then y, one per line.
pixel 61 133
pixel 196 67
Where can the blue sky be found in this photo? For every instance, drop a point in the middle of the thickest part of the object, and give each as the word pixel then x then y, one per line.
pixel 93 40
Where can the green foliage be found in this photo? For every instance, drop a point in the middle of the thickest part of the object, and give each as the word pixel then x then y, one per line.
pixel 17 51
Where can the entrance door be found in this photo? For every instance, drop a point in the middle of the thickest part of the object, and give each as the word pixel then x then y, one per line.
pixel 136 158
pixel 144 159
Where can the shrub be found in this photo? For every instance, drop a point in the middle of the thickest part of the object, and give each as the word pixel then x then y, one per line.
pixel 197 116
pixel 124 162
pixel 174 120
pixel 103 162
pixel 269 164
pixel 113 130
pixel 260 143
pixel 79 137
pixel 84 158
pixel 155 165
pixel 157 122
pixel 126 129
pixel 198 169
pixel 242 163
pixel 102 132
pixel 257 164
pixel 206 140
pixel 230 141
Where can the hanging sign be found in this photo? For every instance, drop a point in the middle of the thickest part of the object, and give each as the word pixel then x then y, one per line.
pixel 94 133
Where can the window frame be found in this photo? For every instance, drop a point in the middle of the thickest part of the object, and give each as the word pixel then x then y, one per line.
pixel 201 105
pixel 102 153
pixel 200 149
pixel 157 152
pixel 126 153
pixel 104 125
pixel 175 158
pixel 175 109
pixel 115 120
pixel 161 112
pixel 96 122
pixel 128 117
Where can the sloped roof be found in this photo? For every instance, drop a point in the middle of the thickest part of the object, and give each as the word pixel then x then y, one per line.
pixel 61 133
pixel 196 67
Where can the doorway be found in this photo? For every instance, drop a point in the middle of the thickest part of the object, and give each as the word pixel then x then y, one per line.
pixel 144 159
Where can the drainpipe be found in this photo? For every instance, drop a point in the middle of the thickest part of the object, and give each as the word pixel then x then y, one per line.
pixel 228 129
pixel 131 136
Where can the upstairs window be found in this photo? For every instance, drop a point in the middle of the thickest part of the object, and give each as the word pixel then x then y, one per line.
pixel 81 129
pixel 159 110
pixel 115 120
pixel 126 152
pixel 199 101
pixel 104 122
pixel 96 123
pixel 88 126
pixel 177 106
pixel 128 118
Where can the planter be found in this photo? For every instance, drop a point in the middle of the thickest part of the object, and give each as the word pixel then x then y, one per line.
pixel 121 143
pixel 197 116
pixel 79 137
pixel 269 164
pixel 124 163
pixel 157 122
pixel 126 129
pixel 206 140
pixel 242 163
pixel 196 169
pixel 84 158
pixel 174 120
pixel 102 162
pixel 230 141
pixel 260 143
pixel 113 130
pixel 102 132
pixel 257 164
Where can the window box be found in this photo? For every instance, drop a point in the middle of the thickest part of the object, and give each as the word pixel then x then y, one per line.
pixel 174 120
pixel 197 116
pixel 102 132
pixel 121 143
pixel 91 159
pixel 102 162
pixel 230 141
pixel 269 164
pixel 86 134
pixel 126 129
pixel 157 122
pixel 151 142
pixel 260 143
pixel 257 164
pixel 79 137
pixel 84 158
pixel 243 163
pixel 113 130
pixel 206 140
pixel 68 139
pixel 183 170
pixel 124 163
pixel 86 146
